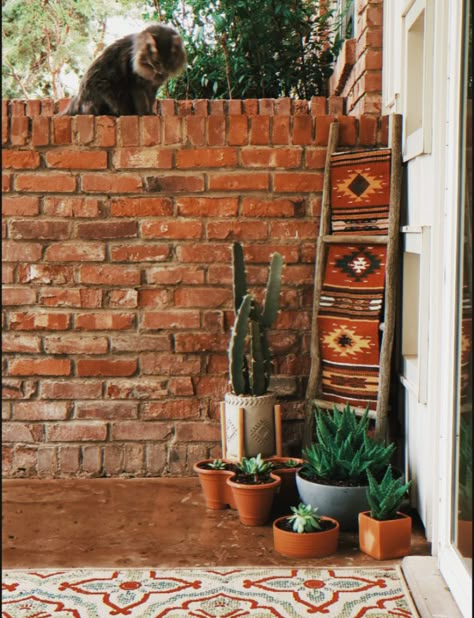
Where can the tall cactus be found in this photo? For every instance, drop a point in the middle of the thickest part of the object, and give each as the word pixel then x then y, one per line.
pixel 249 352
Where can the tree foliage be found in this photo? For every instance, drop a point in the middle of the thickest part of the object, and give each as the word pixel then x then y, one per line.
pixel 253 48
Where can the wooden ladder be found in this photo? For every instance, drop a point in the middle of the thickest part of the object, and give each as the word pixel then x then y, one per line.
pixel 387 325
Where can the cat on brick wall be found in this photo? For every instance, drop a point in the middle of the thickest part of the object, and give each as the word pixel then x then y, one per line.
pixel 125 78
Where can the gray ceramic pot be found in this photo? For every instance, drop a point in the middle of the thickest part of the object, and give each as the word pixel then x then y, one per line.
pixel 341 503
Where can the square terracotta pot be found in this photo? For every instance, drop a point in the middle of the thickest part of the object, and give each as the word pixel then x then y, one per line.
pixel 387 539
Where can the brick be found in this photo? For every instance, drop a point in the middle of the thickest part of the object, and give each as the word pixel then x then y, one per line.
pixel 83 127
pixel 315 158
pixel 141 207
pixel 41 411
pixel 107 229
pixel 164 363
pixel 157 320
pixel 335 105
pixel 75 344
pixel 46 182
pixel 18 296
pixel 322 129
pixel 76 159
pixel 19 130
pixel 40 131
pixel 175 275
pixel 21 343
pixel 281 130
pixel 24 461
pixel 109 275
pixel 127 127
pixel 271 157
pixel 111 183
pixel 105 321
pixel 33 108
pixel 208 386
pixel 197 432
pixel 6 182
pixel 195 130
pixel 39 230
pixel 150 130
pixel 200 342
pixel 172 130
pixel 206 157
pixel 76 431
pixel 103 410
pixel 39 321
pixel 172 229
pixel 21 432
pixel 266 106
pixel 318 106
pixel 112 459
pixel 76 390
pixel 143 431
pixel 298 230
pixel 122 298
pixel 24 206
pixel 141 388
pixel 46 274
pixel 302 130
pixel 298 182
pixel 207 206
pixel 367 130
pixel 155 459
pixel 181 386
pixel 91 460
pixel 167 107
pixel 40 367
pixel 201 107
pixel 105 131
pixel 47 462
pixel 205 253
pixel 133 459
pixel 71 207
pixel 216 130
pixel 69 460
pixel 155 158
pixel 62 130
pixel 20 159
pixel 249 230
pixel 131 343
pixel 239 182
pixel 5 130
pixel 160 298
pixel 238 130
pixel 282 106
pixel 216 106
pixel 104 367
pixel 174 183
pixel 139 253
pixel 16 389
pixel 176 409
pixel 202 297
pixel 255 207
pixel 259 130
pixel 75 252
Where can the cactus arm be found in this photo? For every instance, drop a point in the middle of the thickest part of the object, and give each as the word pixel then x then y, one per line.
pixel 239 277
pixel 272 296
pixel 237 362
pixel 257 374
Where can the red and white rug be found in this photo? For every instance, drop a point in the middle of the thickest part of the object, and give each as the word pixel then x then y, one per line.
pixel 232 592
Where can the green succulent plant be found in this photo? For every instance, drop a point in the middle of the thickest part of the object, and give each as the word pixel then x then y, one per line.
pixel 386 497
pixel 255 467
pixel 249 353
pixel 343 450
pixel 217 464
pixel 304 518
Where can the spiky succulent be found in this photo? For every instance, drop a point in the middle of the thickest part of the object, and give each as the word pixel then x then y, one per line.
pixel 255 467
pixel 249 352
pixel 343 450
pixel 386 497
pixel 217 464
pixel 304 518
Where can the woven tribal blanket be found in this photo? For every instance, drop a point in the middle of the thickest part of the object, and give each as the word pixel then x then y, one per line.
pixel 350 310
pixel 232 592
pixel 360 192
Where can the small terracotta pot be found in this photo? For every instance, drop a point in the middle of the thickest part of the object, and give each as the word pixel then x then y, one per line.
pixel 306 544
pixel 217 493
pixel 254 502
pixel 384 539
pixel 288 494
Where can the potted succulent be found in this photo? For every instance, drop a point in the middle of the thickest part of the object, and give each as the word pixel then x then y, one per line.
pixel 285 468
pixel 305 534
pixel 250 365
pixel 334 476
pixel 213 474
pixel 253 487
pixel 385 532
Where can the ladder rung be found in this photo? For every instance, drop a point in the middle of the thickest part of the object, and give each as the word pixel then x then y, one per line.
pixel 329 405
pixel 346 238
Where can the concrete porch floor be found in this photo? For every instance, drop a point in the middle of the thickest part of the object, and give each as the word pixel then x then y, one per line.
pixel 144 523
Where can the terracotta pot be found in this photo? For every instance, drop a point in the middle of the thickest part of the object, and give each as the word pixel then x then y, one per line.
pixel 464 541
pixel 288 494
pixel 306 544
pixel 384 539
pixel 217 493
pixel 258 425
pixel 254 502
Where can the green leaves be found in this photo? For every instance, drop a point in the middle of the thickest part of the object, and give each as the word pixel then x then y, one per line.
pixel 304 518
pixel 343 451
pixel 255 467
pixel 385 497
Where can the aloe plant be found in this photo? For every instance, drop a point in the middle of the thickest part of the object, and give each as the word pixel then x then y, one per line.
pixel 304 518
pixel 249 352
pixel 342 450
pixel 385 497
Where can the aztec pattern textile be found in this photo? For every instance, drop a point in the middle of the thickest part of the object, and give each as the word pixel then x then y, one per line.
pixel 360 192
pixel 206 593
pixel 350 310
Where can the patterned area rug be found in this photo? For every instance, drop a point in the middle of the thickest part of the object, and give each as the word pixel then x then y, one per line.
pixel 360 192
pixel 350 310
pixel 232 592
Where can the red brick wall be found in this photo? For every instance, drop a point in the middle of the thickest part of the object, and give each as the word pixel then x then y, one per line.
pixel 358 72
pixel 117 277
